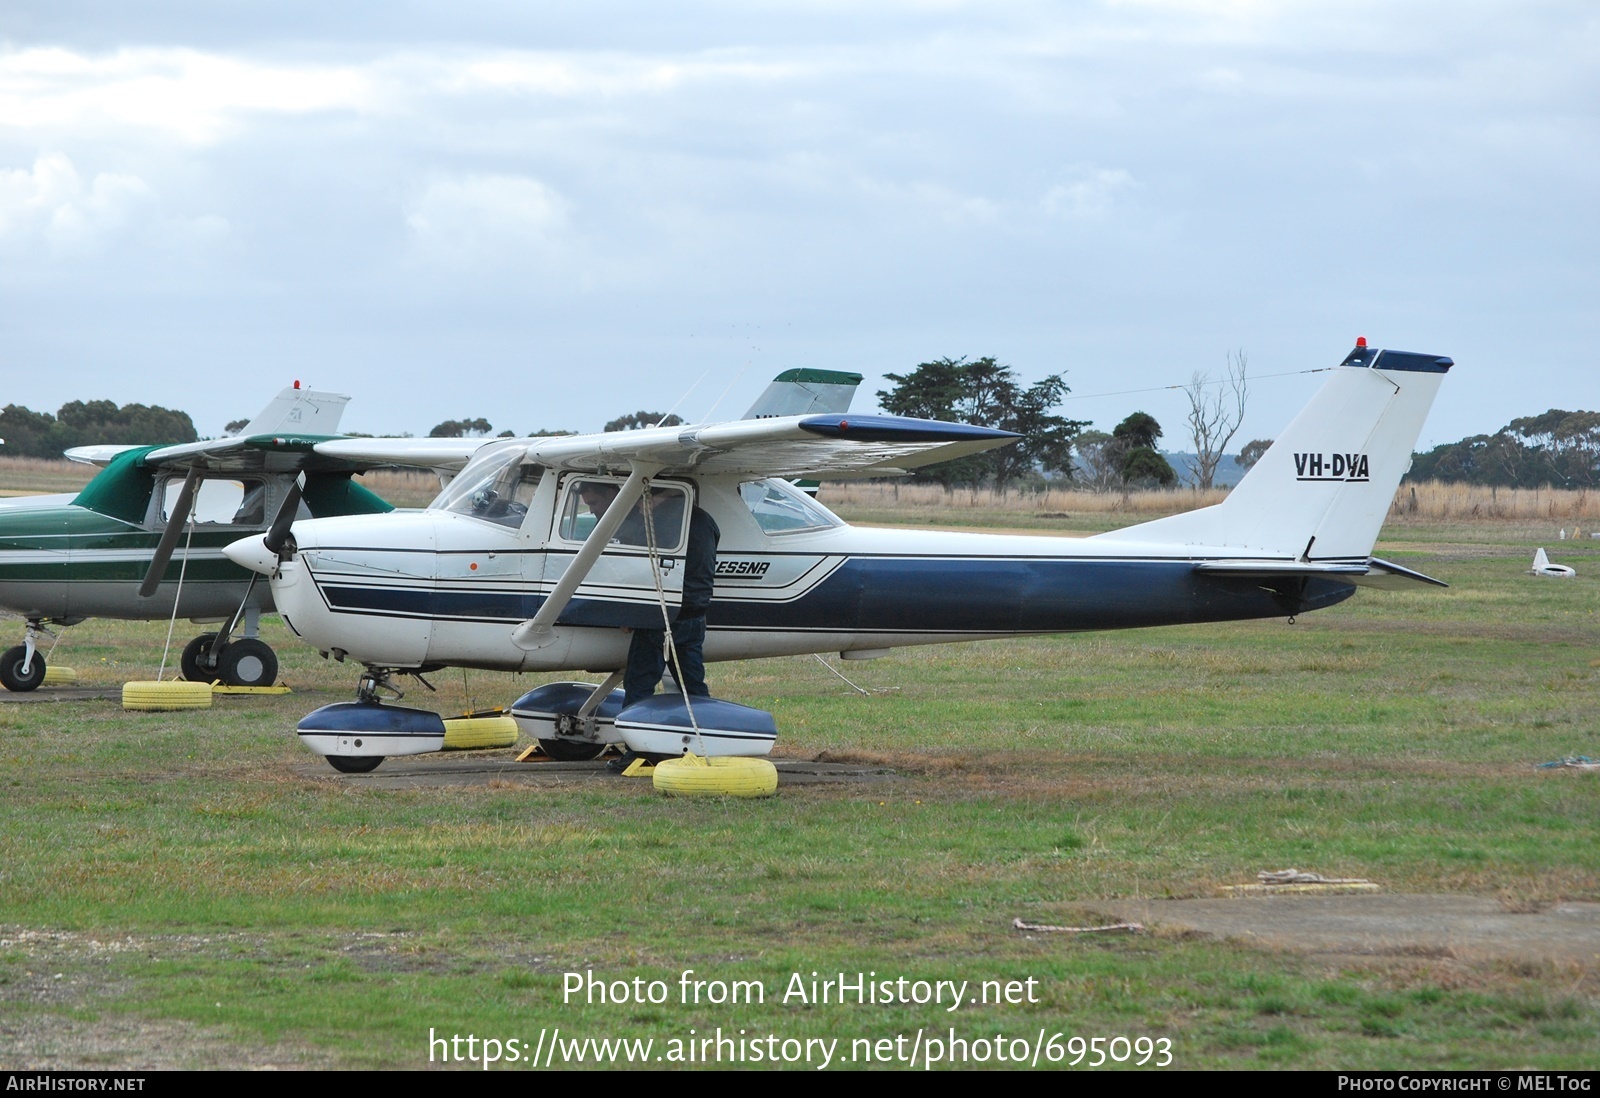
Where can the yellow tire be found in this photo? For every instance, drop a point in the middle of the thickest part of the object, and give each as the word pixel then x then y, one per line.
pixel 59 676
pixel 722 776
pixel 166 695
pixel 465 733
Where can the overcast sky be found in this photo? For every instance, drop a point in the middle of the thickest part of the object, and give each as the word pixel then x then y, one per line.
pixel 551 217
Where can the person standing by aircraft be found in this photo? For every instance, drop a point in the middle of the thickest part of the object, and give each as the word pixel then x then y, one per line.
pixel 647 657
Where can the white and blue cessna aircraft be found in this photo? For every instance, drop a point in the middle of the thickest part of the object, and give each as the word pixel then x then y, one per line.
pixel 511 569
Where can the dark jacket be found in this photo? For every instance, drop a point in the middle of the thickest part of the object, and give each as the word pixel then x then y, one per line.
pixel 699 565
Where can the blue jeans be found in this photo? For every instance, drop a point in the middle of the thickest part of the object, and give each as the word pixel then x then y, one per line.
pixel 647 660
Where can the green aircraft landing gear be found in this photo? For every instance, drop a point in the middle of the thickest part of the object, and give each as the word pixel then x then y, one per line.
pixel 247 661
pixel 242 661
pixel 22 667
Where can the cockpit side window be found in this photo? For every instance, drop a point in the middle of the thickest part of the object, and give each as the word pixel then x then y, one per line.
pixel 664 506
pixel 219 501
pixel 780 508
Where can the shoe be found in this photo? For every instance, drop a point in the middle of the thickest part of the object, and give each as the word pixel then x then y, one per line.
pixel 617 766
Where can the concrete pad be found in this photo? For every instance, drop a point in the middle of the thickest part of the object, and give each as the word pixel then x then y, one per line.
pixel 1460 927
pixel 450 768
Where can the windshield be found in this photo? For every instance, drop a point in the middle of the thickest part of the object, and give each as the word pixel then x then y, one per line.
pixel 495 486
pixel 781 508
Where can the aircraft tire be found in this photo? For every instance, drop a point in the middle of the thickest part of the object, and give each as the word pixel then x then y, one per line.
pixel 248 662
pixel 11 675
pixel 572 751
pixel 193 653
pixel 720 776
pixel 468 733
pixel 354 764
pixel 172 694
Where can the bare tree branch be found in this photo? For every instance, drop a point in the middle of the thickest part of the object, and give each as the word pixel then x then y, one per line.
pixel 1214 418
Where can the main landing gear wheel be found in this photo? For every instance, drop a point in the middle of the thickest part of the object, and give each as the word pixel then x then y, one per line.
pixel 572 751
pixel 354 764
pixel 196 654
pixel 11 675
pixel 247 662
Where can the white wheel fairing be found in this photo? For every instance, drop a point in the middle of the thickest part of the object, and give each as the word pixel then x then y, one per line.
pixel 366 743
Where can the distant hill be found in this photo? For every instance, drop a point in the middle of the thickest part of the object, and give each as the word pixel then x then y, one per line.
pixel 1228 472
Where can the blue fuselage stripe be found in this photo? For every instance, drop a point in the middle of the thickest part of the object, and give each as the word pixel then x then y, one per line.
pixel 918 595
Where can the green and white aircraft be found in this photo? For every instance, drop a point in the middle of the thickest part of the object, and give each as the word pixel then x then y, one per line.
pixel 143 539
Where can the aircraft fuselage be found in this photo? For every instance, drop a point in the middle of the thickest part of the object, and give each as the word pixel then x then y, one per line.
pixel 438 587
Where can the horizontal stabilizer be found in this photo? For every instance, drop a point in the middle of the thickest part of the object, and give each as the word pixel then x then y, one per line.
pixel 1278 569
pixel 1374 573
pixel 1394 577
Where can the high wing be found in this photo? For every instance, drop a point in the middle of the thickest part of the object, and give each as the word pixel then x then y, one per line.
pixel 445 456
pixel 786 446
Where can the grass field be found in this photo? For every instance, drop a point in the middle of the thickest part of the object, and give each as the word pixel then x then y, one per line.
pixel 194 890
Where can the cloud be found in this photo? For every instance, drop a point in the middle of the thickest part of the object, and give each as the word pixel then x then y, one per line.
pixel 483 216
pixel 1087 197
pixel 51 201
pixel 196 97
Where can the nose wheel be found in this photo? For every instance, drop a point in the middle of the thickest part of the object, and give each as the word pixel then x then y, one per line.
pixel 355 737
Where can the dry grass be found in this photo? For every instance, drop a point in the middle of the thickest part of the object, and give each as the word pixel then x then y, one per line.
pixel 20 476
pixel 402 487
pixel 1429 501
pixel 1434 501
pixel 930 498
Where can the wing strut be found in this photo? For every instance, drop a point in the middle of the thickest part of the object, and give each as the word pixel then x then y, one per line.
pixel 538 631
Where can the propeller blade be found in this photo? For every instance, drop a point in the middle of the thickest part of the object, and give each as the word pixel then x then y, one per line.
pixel 278 533
pixel 169 536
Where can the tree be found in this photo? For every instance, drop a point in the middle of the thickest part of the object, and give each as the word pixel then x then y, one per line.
pixel 986 393
pixel 1556 447
pixel 1251 452
pixel 1214 418
pixel 1139 429
pixel 461 428
pixel 635 421
pixel 1127 456
pixel 80 423
pixel 1099 463
pixel 1143 467
pixel 1139 463
pixel 235 426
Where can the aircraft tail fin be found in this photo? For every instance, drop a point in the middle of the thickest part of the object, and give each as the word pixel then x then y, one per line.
pixel 805 393
pixel 1322 490
pixel 299 411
